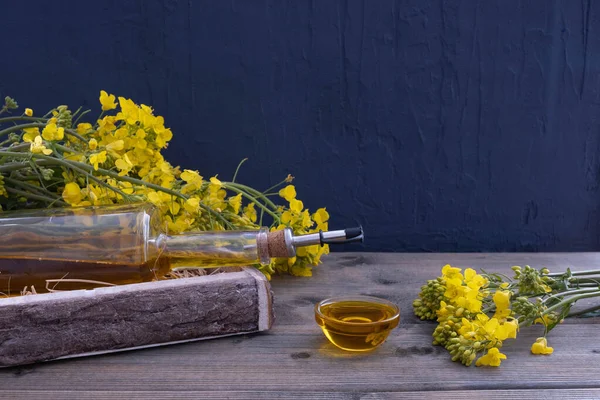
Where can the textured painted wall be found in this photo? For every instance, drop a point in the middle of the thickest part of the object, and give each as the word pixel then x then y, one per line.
pixel 438 125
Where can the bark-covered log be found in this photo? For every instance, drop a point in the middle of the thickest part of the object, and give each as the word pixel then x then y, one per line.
pixel 48 326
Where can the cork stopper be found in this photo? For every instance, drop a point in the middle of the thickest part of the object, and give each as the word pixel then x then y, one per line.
pixel 277 244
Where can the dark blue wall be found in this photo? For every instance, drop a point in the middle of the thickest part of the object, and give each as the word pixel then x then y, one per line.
pixel 438 125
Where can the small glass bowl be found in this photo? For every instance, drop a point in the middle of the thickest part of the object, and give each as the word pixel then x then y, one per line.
pixel 357 323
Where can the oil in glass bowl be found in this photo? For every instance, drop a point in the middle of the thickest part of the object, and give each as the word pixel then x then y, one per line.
pixel 359 323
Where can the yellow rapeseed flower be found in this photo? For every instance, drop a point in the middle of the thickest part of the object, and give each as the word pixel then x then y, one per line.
pixel 192 205
pixel 468 298
pixel 507 330
pixel 163 199
pixel 129 111
pixel 454 289
pixel 163 137
pixel 53 132
pixel 98 195
pixel 106 124
pixel 72 193
pixel 541 347
pixel 286 217
pixel 93 144
pixel 29 112
pixel 474 280
pixel 138 141
pixel 502 301
pixel 30 134
pixel 124 165
pixel 181 224
pixel 215 181
pixel 107 101
pixel 84 128
pixel 116 145
pixel 98 158
pixel 192 179
pixel 288 192
pixel 216 197
pixel 449 272
pixel 306 221
pixel 250 212
pixel 321 216
pixel 296 205
pixel 493 358
pixel 236 202
pixel 37 147
pixel 146 115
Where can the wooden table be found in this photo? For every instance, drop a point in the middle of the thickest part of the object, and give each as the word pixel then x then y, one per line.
pixel 294 360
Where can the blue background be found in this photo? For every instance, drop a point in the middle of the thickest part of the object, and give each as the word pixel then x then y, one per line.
pixel 437 125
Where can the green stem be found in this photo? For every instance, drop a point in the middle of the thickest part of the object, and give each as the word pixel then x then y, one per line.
pixel 9 140
pixel 19 127
pixel 238 169
pixel 584 311
pixel 571 300
pixel 254 192
pixel 33 177
pixel 76 135
pixel 276 185
pixel 19 147
pixel 252 199
pixel 13 166
pixel 577 273
pixel 585 280
pixel 75 166
pixel 35 196
pixel 65 149
pixel 79 117
pixel 590 284
pixel 38 189
pixel 570 293
pixel 21 118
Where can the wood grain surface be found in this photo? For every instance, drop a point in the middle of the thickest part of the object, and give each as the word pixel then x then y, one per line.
pixel 49 326
pixel 294 360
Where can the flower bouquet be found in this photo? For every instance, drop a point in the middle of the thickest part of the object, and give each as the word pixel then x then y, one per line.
pixel 64 158
pixel 476 313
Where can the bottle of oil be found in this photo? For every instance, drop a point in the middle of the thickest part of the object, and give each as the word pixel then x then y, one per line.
pixel 80 248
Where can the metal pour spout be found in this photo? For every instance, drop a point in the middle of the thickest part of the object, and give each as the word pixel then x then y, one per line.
pixel 283 243
pixel 332 237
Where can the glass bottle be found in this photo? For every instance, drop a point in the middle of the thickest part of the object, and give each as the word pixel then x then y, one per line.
pixel 81 248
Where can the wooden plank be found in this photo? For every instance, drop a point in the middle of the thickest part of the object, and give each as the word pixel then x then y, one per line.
pixel 550 394
pixel 74 323
pixel 295 356
pixel 299 359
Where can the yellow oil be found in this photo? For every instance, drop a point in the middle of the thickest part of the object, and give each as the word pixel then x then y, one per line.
pixel 357 325
pixel 84 248
pixel 19 273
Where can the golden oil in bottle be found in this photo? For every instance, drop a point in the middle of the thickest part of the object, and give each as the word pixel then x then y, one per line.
pixel 357 324
pixel 84 248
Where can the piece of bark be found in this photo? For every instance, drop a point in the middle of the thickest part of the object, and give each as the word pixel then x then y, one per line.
pixel 49 326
